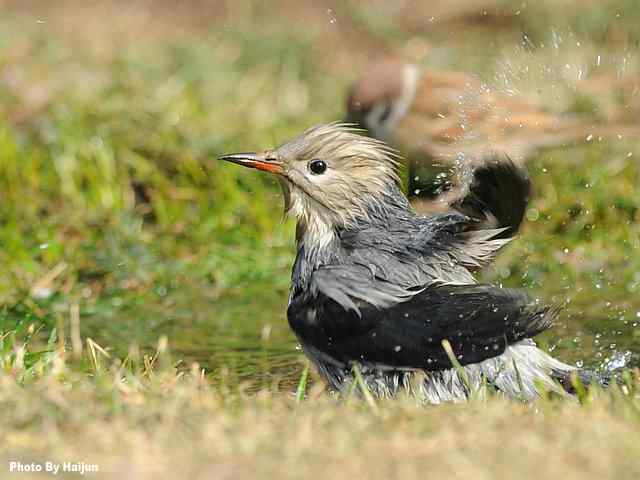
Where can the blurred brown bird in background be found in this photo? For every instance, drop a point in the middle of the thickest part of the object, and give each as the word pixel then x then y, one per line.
pixel 442 119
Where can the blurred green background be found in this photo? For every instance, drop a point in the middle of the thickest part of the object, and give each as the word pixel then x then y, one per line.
pixel 112 202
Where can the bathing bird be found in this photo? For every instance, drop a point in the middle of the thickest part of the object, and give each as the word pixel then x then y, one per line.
pixel 388 297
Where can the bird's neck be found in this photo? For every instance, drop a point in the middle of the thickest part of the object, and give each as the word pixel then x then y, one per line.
pixel 317 240
pixel 319 231
pixel 315 226
pixel 316 246
pixel 315 232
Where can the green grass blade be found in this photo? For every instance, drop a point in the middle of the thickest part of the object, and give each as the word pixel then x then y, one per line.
pixel 302 384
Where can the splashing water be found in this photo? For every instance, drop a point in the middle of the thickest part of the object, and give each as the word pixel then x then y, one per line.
pixel 332 18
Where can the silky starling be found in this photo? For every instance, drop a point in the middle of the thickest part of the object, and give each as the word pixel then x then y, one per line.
pixel 379 288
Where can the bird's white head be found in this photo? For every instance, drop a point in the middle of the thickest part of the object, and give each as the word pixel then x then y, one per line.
pixel 332 177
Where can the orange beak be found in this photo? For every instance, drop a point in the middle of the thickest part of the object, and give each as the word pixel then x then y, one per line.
pixel 262 161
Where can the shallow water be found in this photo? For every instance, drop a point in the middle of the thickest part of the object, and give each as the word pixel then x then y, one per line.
pixel 240 337
pixel 246 338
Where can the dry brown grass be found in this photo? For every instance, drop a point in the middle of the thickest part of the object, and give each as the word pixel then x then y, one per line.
pixel 159 425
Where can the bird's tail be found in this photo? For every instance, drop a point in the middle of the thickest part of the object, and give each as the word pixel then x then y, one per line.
pixel 497 195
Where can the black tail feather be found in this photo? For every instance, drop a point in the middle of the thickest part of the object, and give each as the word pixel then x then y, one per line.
pixel 497 194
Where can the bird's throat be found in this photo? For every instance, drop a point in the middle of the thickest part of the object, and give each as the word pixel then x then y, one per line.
pixel 315 227
pixel 314 233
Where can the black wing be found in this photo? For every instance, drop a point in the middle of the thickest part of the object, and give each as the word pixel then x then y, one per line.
pixel 479 321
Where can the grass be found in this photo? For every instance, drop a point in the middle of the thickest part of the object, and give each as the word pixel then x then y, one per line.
pixel 141 417
pixel 144 284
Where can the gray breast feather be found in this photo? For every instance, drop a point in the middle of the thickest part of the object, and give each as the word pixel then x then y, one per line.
pixel 386 264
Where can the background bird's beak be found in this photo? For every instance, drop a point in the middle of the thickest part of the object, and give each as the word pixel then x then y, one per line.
pixel 261 161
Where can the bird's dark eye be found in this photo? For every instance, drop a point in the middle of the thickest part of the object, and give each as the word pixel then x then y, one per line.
pixel 317 167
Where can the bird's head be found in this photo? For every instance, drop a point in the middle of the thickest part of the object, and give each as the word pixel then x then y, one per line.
pixel 332 177
pixel 381 96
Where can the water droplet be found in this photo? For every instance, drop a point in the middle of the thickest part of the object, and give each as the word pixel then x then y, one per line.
pixel 332 18
pixel 533 214
pixel 41 293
